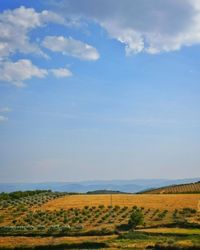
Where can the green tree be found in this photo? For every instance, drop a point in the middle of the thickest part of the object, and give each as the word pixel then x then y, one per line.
pixel 136 218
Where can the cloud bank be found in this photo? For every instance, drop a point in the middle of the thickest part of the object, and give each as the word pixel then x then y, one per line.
pixel 142 26
pixel 150 26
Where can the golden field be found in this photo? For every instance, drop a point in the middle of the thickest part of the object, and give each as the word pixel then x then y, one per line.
pixel 159 211
pixel 152 201
pixel 165 230
pixel 20 241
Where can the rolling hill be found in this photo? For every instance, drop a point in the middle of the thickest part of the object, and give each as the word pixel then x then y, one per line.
pixel 188 188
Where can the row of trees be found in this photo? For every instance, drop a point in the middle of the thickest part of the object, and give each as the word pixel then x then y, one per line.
pixel 21 194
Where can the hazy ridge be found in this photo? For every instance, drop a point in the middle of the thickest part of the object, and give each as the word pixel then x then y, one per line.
pixel 131 186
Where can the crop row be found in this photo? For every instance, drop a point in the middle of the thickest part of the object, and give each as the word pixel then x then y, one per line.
pixel 95 216
pixel 29 201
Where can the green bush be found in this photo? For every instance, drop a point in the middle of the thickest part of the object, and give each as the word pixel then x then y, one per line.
pixel 136 218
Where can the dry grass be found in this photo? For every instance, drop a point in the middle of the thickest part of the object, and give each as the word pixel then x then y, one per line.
pixel 19 241
pixel 165 230
pixel 164 201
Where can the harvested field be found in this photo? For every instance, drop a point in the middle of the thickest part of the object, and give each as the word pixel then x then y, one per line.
pixel 164 201
pixel 20 241
pixel 185 231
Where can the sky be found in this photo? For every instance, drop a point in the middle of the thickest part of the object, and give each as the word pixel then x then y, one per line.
pixel 99 90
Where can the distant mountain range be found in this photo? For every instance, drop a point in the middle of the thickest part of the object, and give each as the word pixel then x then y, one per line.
pixel 129 186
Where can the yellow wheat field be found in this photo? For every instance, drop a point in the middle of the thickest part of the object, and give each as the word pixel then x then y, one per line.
pixel 152 201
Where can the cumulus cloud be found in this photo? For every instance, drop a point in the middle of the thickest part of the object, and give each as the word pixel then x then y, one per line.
pixel 71 47
pixel 3 118
pixel 151 26
pixel 17 72
pixel 62 72
pixel 15 26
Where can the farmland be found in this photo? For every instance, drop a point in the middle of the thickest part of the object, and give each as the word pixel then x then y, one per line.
pixel 190 188
pixel 58 217
pixel 169 202
pixel 10 241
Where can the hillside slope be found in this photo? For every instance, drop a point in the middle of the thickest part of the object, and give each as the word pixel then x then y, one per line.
pixel 176 189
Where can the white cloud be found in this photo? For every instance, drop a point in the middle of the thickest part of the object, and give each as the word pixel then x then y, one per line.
pixel 151 26
pixel 71 47
pixel 17 72
pixel 15 26
pixel 62 72
pixel 3 118
pixel 5 110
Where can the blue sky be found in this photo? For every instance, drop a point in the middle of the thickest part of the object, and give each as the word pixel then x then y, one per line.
pixel 99 90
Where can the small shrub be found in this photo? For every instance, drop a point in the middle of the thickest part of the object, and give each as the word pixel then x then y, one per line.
pixel 136 218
